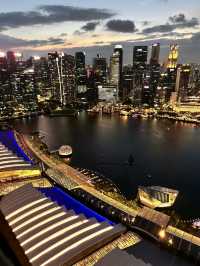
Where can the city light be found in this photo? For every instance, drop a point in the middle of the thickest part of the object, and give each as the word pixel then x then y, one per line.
pixel 2 54
pixel 36 57
pixel 17 54
pixel 170 241
pixel 162 234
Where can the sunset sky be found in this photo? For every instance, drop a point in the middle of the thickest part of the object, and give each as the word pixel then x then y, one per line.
pixel 39 26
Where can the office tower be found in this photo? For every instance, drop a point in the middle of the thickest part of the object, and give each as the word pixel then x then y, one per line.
pixel 3 67
pixel 194 80
pixel 54 75
pixel 171 71
pixel 140 54
pixel 24 90
pixel 147 96
pixel 115 71
pixel 42 78
pixel 100 70
pixel 119 49
pixel 62 77
pixel 173 56
pixel 154 82
pixel 182 82
pixel 5 88
pixel 127 81
pixel 11 61
pixel 81 74
pixel 155 54
pixel 168 82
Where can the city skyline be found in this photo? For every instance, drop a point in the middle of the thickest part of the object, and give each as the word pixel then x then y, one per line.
pixel 41 26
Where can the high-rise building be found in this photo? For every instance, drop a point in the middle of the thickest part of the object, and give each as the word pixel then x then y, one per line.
pixel 100 70
pixel 147 96
pixel 119 49
pixel 62 77
pixel 54 75
pixel 115 71
pixel 140 54
pixel 173 56
pixel 24 90
pixel 11 61
pixel 155 54
pixel 127 81
pixel 168 82
pixel 81 74
pixel 42 77
pixel 182 82
pixel 194 80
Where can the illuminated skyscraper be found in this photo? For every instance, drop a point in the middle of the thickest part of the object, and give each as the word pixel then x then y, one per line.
pixel 42 77
pixel 24 90
pixel 140 54
pixel 182 82
pixel 127 81
pixel 194 80
pixel 115 71
pixel 81 74
pixel 155 54
pixel 100 70
pixel 62 77
pixel 173 56
pixel 119 49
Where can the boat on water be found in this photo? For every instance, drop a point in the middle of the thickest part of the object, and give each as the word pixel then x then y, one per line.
pixel 63 112
pixel 65 151
pixel 130 160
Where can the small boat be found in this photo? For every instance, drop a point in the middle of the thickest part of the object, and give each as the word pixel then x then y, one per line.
pixel 130 159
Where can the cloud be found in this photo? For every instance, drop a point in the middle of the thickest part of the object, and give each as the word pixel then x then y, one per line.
pixel 181 21
pixel 90 26
pixel 125 26
pixel 63 35
pixel 78 33
pixel 49 14
pixel 146 23
pixel 175 22
pixel 8 42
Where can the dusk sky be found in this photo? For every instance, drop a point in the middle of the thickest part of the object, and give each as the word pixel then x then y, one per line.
pixel 36 26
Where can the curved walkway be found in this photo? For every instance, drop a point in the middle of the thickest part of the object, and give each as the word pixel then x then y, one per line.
pixel 77 177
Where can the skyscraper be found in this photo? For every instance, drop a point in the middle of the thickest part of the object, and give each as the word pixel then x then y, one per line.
pixel 173 56
pixel 119 49
pixel 11 61
pixel 24 90
pixel 155 54
pixel 115 71
pixel 42 77
pixel 194 80
pixel 127 80
pixel 62 77
pixel 182 82
pixel 100 70
pixel 81 74
pixel 140 54
pixel 154 73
